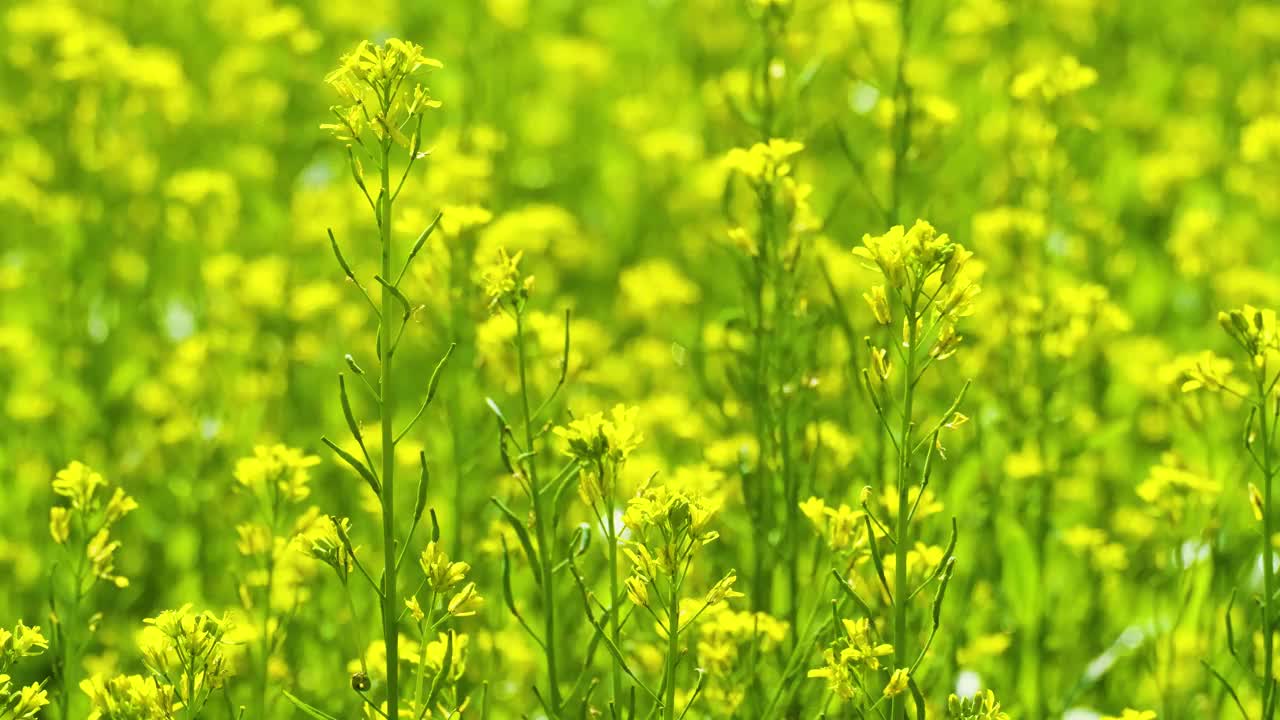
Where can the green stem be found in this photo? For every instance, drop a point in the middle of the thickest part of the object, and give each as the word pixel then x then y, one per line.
pixel 273 522
pixel 266 631
pixel 70 647
pixel 386 389
pixel 539 521
pixel 673 650
pixel 615 623
pixel 898 707
pixel 1268 556
pixel 423 629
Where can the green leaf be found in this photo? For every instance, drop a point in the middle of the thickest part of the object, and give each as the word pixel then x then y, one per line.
pixel 395 292
pixel 446 666
pixel 310 711
pixel 358 466
pixel 1021 580
pixel 522 533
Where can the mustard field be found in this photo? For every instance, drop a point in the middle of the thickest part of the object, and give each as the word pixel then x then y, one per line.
pixel 639 359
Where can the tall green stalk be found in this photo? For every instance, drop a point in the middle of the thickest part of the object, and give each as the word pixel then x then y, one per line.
pixel 1268 556
pixel 898 708
pixel 673 648
pixel 615 621
pixel 384 113
pixel 387 409
pixel 540 518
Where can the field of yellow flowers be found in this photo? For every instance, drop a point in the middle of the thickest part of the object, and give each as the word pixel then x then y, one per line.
pixel 640 359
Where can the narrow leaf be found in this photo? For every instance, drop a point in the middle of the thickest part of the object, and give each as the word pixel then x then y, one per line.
pixel 304 707
pixel 522 533
pixel 358 466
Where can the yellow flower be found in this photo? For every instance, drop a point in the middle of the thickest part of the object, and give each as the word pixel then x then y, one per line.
pixel 23 641
pixel 764 162
pixel 897 683
pixel 723 590
pixel 595 438
pixel 1049 82
pixel 78 482
pixel 101 553
pixel 119 505
pixel 501 279
pixel 638 590
pixel 441 573
pixel 878 299
pixel 277 468
pixel 1209 371
pixel 145 698
pixel 1130 714
pixel 28 702
pixel 372 79
pixel 815 510
pixel 861 649
pixel 981 707
pixel 59 524
pixel 415 609
pixel 324 542
pixel 1253 329
pixel 840 676
pixel 881 366
pixel 466 602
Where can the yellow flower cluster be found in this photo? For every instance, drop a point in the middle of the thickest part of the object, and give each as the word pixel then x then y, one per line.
pixel 502 280
pixel 1051 81
pixel 1171 488
pixel 329 542
pixel 727 639
pixel 22 642
pixel 277 469
pixel 983 706
pixel 371 79
pixel 764 163
pixel 1131 714
pixel 601 445
pixel 842 527
pixel 679 516
pixel 1254 330
pixel 130 697
pixel 912 259
pixel 596 438
pixel 442 575
pixel 88 520
pixel 188 657
pixel 854 654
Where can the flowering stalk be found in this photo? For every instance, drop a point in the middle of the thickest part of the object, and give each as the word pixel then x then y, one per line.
pixel 508 292
pixel 82 527
pixel 387 412
pixel 600 445
pixel 373 79
pixel 775 383
pixel 903 532
pixel 926 284
pixel 669 525
pixel 1255 331
pixel 540 517
pixel 274 477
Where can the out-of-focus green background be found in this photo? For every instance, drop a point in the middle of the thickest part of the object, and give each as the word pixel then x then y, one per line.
pixel 168 299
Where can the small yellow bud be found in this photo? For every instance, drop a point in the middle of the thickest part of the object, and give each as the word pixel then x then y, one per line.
pixel 878 299
pixel 59 524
